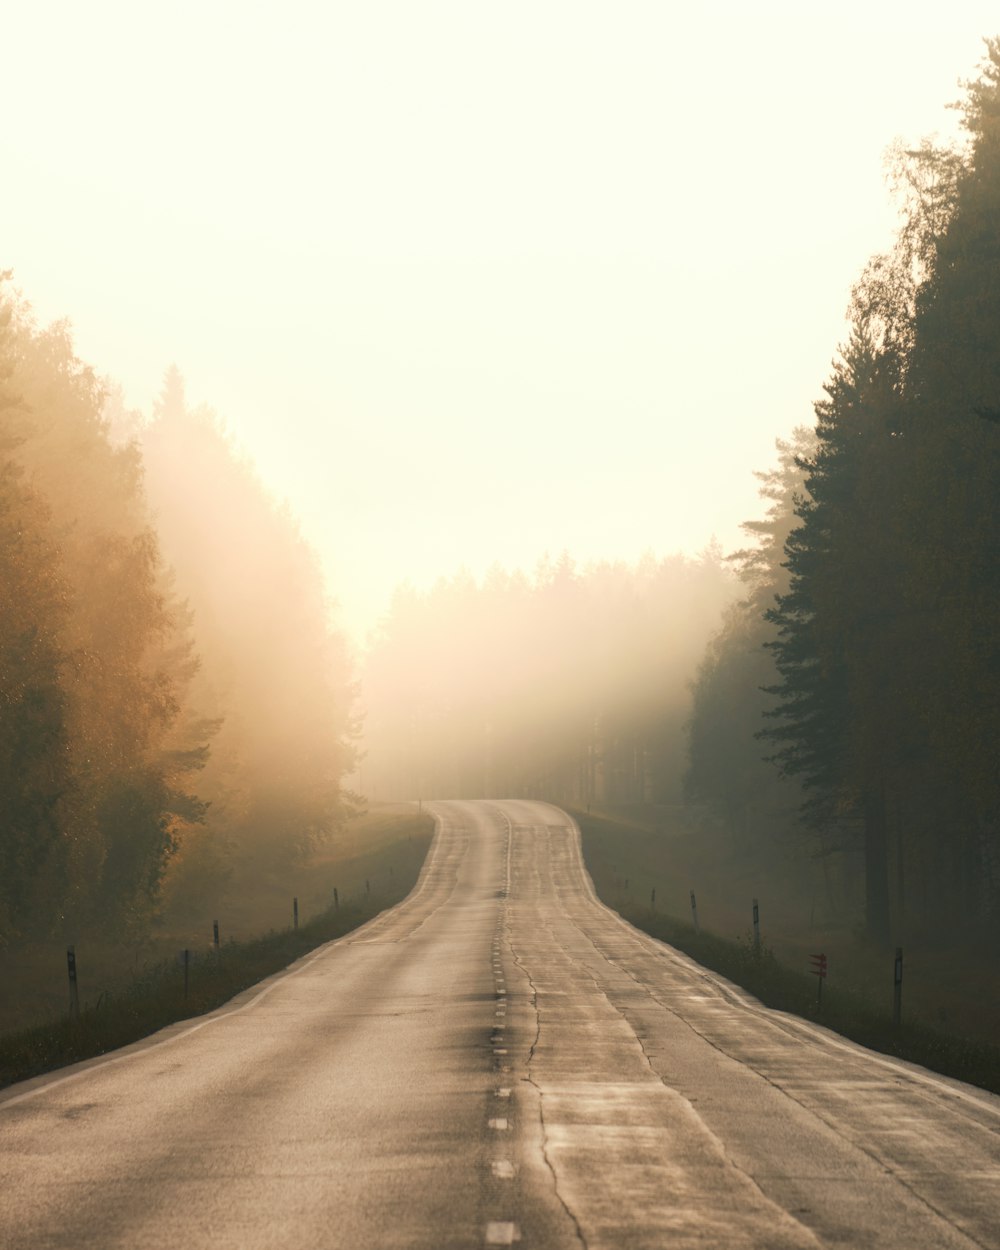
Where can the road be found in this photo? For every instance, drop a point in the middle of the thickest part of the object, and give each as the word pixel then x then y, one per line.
pixel 498 1060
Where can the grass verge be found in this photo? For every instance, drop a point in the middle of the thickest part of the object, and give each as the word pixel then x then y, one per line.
pixel 156 997
pixel 614 855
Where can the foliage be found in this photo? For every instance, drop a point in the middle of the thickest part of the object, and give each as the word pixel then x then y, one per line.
pixel 885 637
pixel 725 769
pixel 93 655
pixel 275 679
pixel 170 686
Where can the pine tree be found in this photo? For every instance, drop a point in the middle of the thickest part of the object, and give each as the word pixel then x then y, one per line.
pixel 726 765
pixel 835 622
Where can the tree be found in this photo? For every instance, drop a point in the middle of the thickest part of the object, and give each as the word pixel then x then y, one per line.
pixel 91 647
pixel 275 683
pixel 888 644
pixel 726 764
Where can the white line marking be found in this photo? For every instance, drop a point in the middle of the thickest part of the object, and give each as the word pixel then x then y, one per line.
pixel 500 1124
pixel 225 1011
pixel 502 1233
pixel 503 1169
pixel 503 1092
pixel 978 1098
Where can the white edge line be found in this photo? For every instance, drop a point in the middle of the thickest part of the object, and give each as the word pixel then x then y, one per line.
pixel 45 1082
pixel 983 1099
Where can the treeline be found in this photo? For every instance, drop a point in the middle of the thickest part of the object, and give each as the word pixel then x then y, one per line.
pixel 864 659
pixel 569 684
pixel 172 700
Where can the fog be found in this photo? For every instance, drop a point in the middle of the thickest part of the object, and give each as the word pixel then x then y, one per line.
pixel 570 684
pixel 471 284
pixel 448 292
pixel 177 711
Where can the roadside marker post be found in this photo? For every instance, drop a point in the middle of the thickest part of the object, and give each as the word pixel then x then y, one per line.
pixel 187 970
pixel 756 928
pixel 897 988
pixel 336 899
pixel 215 935
pixel 694 911
pixel 74 993
pixel 819 971
pixel 652 898
pixel 295 913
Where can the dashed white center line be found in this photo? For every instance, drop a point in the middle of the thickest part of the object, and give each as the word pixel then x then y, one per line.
pixel 500 1124
pixel 503 1092
pixel 503 1169
pixel 502 1233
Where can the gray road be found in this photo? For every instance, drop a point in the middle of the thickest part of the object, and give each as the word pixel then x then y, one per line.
pixel 498 1060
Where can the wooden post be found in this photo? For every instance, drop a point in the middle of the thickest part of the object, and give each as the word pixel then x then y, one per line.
pixel 215 935
pixel 694 911
pixel 187 969
pixel 756 928
pixel 336 899
pixel 819 971
pixel 295 912
pixel 897 988
pixel 74 993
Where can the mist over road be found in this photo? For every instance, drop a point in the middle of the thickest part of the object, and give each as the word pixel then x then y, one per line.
pixel 498 1060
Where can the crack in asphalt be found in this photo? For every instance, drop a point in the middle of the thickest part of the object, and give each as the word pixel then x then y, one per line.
pixel 531 1049
pixel 733 1000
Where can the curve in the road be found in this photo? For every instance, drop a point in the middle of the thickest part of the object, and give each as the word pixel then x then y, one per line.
pixel 500 1059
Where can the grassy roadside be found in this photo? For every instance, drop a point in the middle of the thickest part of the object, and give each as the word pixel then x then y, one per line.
pixel 627 860
pixel 376 865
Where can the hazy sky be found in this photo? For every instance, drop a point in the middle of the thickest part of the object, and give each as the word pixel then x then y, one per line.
pixel 470 281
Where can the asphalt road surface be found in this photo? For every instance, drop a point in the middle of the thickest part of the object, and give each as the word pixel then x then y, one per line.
pixel 499 1060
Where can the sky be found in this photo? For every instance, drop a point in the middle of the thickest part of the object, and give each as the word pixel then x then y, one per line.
pixel 471 282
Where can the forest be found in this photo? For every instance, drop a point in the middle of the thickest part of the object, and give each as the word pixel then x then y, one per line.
pixel 175 702
pixel 859 675
pixel 571 684
pixel 843 721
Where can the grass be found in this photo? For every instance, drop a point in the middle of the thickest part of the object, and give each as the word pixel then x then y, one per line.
pixel 629 858
pixel 376 864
